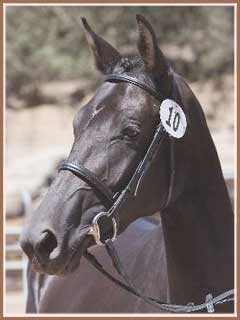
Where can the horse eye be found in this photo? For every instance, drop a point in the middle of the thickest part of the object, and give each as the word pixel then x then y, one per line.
pixel 131 132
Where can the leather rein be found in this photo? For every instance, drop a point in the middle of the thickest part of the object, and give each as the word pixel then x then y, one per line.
pixel 114 203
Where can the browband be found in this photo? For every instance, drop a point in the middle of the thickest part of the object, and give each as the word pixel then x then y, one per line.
pixel 128 79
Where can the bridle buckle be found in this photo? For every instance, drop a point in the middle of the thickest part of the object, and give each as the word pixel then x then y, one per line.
pixel 95 230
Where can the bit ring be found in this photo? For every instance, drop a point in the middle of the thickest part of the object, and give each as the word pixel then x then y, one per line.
pixel 95 229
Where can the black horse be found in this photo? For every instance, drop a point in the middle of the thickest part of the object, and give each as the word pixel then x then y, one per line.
pixel 111 136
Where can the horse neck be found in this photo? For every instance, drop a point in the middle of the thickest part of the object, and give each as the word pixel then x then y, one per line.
pixel 199 232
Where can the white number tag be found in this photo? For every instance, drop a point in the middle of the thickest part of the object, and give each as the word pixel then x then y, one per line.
pixel 173 118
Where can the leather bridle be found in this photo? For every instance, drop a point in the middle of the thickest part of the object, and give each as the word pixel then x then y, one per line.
pixel 114 203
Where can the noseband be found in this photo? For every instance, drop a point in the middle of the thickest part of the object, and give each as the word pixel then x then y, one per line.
pixel 114 202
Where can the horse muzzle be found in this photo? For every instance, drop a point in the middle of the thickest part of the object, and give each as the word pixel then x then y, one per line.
pixel 47 255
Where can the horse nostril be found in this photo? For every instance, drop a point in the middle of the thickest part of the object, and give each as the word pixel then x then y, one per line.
pixel 46 244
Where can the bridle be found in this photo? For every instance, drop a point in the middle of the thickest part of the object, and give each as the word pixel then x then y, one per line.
pixel 114 203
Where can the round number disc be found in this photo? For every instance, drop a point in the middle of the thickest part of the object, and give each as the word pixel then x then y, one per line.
pixel 173 118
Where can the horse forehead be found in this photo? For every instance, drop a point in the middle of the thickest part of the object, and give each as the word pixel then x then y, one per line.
pixel 119 100
pixel 124 97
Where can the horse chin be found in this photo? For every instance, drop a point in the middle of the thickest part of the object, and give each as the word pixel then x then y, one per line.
pixel 74 259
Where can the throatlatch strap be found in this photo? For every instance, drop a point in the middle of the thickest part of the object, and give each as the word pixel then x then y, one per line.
pixel 83 173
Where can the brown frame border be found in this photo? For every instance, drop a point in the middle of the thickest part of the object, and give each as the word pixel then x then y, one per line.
pixel 237 182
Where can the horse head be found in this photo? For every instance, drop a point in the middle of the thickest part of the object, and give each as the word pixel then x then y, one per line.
pixel 112 133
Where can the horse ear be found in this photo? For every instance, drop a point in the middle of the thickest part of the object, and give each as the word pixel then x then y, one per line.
pixel 154 60
pixel 106 57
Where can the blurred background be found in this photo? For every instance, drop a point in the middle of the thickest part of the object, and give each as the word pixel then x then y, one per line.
pixel 50 75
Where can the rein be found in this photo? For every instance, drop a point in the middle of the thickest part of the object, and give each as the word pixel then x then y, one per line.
pixel 115 202
pixel 128 285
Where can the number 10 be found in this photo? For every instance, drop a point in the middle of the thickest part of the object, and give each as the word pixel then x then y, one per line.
pixel 176 119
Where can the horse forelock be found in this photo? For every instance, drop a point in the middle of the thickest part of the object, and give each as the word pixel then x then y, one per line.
pixel 129 64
